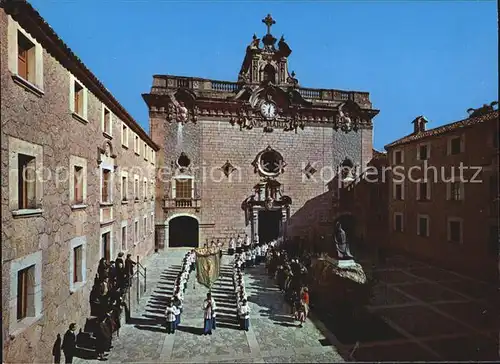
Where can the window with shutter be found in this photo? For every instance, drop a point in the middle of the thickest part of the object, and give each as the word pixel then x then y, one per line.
pixel 78 98
pixel 78 184
pixel 26 181
pixel 25 53
pixel 106 185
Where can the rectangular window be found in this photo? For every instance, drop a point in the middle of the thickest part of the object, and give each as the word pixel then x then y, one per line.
pixel 78 98
pixel 422 191
pixel 136 188
pixel 136 145
pixel 398 222
pixel 78 184
pixel 25 58
pixel 107 121
pixel 145 189
pixel 124 237
pixel 455 231
pixel 145 225
pixel 455 191
pixel 136 231
pixel 398 191
pixel 493 240
pixel 423 226
pixel 25 292
pixel 77 264
pixel 455 146
pixel 106 246
pixel 124 135
pixel 423 152
pixel 26 181
pixel 183 188
pixel 106 185
pixel 493 181
pixel 124 188
pixel 398 157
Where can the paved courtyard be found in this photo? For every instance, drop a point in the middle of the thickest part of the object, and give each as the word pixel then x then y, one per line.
pixel 420 312
pixel 431 314
pixel 273 337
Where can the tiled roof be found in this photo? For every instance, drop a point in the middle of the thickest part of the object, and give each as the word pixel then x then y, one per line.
pixel 378 155
pixel 445 129
pixel 23 12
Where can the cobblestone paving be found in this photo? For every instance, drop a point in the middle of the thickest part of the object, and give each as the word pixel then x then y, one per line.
pixel 439 314
pixel 273 336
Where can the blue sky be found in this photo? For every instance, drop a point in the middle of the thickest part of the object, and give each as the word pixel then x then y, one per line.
pixel 415 57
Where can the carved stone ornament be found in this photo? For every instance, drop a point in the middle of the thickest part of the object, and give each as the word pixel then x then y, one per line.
pixel 269 163
pixel 348 117
pixel 268 203
pixel 227 168
pixel 309 170
pixel 182 113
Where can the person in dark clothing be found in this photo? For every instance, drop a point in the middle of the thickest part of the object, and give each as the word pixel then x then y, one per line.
pixel 129 268
pixel 102 269
pixel 56 350
pixel 101 338
pixel 69 343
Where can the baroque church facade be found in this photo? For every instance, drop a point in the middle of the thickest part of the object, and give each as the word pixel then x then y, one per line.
pixel 244 157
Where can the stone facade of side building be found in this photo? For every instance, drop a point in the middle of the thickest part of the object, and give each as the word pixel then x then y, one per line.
pixel 243 157
pixel 357 200
pixel 450 217
pixel 73 161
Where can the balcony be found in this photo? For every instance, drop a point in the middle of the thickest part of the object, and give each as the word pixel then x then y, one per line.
pixel 181 203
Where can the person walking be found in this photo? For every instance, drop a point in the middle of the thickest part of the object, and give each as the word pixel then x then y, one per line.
pixel 207 315
pixel 214 312
pixel 69 343
pixel 170 317
pixel 101 338
pixel 56 349
pixel 244 315
pixel 178 305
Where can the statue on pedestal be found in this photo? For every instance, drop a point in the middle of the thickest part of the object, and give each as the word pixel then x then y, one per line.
pixel 343 252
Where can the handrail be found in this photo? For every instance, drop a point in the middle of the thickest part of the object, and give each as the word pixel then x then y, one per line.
pixel 140 271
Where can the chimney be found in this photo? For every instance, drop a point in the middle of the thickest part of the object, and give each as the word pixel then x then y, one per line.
pixel 419 124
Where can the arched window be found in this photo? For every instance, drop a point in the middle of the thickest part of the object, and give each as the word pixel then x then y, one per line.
pixel 269 73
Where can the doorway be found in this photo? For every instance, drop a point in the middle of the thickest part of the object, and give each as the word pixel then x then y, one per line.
pixel 183 231
pixel 106 246
pixel 269 225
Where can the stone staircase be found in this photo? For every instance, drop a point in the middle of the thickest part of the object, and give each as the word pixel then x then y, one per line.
pixel 225 297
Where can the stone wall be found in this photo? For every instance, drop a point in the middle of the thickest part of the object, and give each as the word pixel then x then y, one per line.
pixel 477 254
pixel 45 120
pixel 209 144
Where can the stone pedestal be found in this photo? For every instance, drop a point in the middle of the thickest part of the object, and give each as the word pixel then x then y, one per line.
pixel 346 263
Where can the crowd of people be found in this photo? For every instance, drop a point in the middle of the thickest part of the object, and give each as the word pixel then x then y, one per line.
pixel 107 299
pixel 174 304
pixel 290 272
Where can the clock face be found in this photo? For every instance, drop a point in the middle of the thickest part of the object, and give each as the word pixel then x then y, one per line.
pixel 268 110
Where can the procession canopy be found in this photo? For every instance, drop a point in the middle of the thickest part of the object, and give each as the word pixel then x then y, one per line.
pixel 207 265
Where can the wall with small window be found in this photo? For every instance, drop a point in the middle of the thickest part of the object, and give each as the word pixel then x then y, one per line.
pixel 77 263
pixel 25 58
pixel 25 305
pixel 25 177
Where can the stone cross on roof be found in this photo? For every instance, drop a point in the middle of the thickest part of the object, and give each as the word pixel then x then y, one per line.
pixel 269 21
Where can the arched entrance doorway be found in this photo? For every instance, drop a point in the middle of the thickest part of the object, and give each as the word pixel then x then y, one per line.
pixel 183 231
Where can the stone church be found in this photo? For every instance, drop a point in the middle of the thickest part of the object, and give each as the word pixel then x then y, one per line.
pixel 243 157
